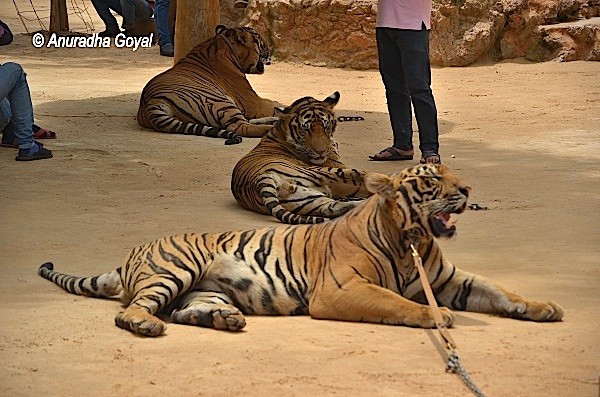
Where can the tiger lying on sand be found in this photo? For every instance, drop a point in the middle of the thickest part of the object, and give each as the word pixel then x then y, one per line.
pixel 357 267
pixel 207 93
pixel 295 172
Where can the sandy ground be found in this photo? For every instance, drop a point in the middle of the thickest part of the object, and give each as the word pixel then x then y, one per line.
pixel 525 135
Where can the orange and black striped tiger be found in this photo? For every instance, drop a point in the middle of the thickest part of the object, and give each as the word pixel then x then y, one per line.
pixel 207 93
pixel 295 172
pixel 357 267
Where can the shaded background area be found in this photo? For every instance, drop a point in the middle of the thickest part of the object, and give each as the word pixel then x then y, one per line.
pixel 525 135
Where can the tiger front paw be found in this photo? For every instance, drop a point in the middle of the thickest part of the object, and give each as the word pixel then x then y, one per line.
pixel 537 311
pixel 425 318
pixel 141 322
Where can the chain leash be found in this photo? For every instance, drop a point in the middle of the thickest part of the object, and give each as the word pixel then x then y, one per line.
pixel 453 365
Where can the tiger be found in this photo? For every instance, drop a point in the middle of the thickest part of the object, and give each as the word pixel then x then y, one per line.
pixel 207 93
pixel 357 267
pixel 295 172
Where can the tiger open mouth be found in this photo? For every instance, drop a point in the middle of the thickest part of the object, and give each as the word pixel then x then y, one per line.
pixel 443 224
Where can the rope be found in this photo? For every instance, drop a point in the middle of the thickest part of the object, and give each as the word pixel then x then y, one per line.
pixel 78 11
pixel 77 8
pixel 20 16
pixel 453 365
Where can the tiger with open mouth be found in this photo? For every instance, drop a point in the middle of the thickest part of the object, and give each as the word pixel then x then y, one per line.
pixel 357 267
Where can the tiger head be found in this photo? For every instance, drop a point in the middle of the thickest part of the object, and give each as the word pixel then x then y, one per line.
pixel 250 49
pixel 422 199
pixel 308 125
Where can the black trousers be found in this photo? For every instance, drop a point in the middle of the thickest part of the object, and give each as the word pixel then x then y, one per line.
pixel 406 73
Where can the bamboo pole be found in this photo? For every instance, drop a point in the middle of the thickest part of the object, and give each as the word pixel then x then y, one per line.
pixel 195 22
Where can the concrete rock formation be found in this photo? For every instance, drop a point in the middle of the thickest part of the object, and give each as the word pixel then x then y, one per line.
pixel 341 33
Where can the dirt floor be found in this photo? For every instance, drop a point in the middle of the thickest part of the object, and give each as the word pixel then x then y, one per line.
pixel 525 135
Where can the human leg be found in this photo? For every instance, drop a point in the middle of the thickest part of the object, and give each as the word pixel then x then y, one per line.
pixel 103 8
pixel 396 91
pixel 161 19
pixel 417 74
pixel 5 113
pixel 13 86
pixel 6 126
pixel 133 10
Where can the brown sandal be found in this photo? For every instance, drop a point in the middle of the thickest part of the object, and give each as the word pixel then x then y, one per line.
pixel 42 133
pixel 395 154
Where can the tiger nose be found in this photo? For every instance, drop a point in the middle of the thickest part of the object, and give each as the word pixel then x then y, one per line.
pixel 465 190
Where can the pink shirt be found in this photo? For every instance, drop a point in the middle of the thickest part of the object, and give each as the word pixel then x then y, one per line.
pixel 404 14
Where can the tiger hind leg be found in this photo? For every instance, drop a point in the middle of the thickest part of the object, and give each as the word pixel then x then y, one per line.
pixel 209 309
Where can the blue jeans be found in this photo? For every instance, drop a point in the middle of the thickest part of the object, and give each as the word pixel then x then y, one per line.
pixel 406 74
pixel 161 19
pixel 130 10
pixel 16 103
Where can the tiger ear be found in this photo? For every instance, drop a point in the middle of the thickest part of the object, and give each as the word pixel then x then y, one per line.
pixel 332 99
pixel 220 29
pixel 283 113
pixel 380 184
pixel 280 112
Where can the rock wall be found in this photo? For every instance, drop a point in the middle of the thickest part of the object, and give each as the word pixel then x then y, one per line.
pixel 341 33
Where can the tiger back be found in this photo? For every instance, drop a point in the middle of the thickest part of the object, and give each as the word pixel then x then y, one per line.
pixel 295 172
pixel 207 93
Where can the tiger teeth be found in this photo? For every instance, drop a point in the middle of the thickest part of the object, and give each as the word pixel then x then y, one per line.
pixel 452 221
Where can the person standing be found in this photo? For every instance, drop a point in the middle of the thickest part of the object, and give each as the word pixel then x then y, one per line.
pixel 402 33
pixel 130 10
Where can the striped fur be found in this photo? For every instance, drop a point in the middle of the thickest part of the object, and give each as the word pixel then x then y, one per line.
pixel 207 93
pixel 295 172
pixel 357 267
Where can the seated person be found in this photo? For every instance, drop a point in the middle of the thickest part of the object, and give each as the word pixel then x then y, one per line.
pixel 161 19
pixel 16 107
pixel 130 10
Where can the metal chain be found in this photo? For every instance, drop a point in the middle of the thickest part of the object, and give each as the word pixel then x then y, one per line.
pixel 350 118
pixel 455 366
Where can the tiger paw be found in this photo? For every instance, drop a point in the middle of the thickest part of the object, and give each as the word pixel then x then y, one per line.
pixel 141 322
pixel 538 311
pixel 427 320
pixel 228 319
